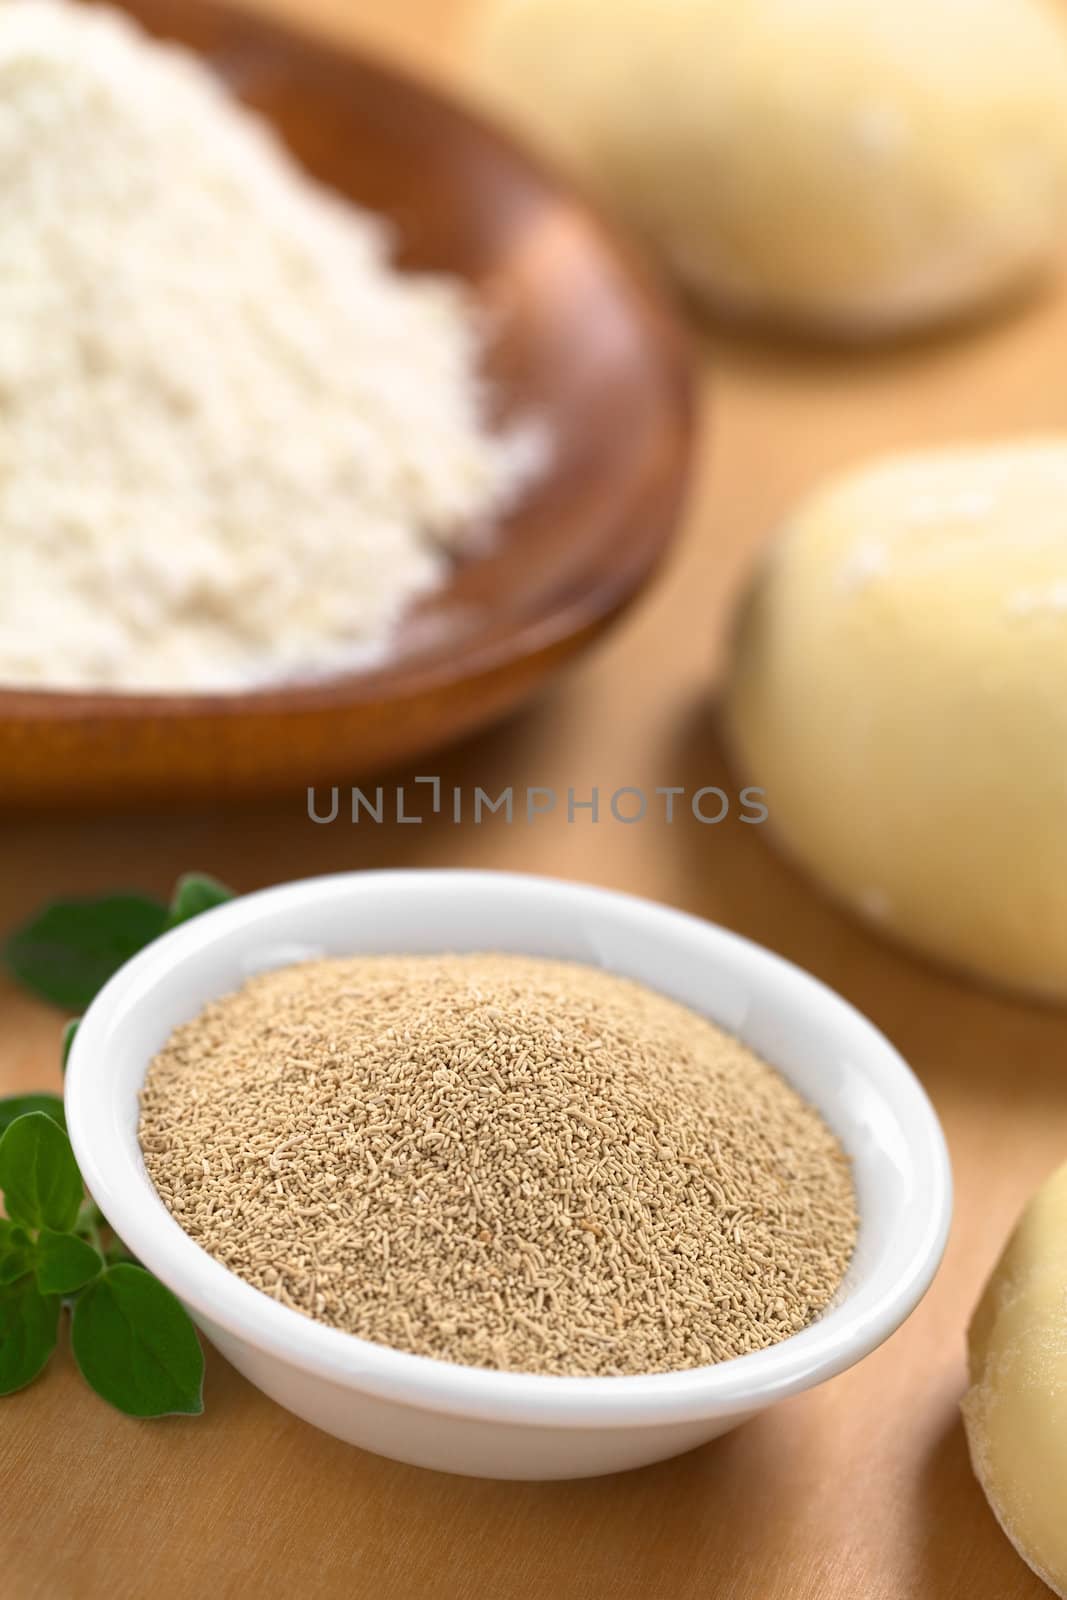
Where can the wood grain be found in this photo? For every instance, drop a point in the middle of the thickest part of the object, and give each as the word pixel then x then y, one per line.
pixel 860 1491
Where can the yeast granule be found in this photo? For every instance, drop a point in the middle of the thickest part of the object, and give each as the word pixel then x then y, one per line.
pixel 504 1162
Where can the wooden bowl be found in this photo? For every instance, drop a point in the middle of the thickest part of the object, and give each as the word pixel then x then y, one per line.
pixel 585 339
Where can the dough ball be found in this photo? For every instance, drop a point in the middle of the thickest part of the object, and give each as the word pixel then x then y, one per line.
pixel 899 688
pixel 840 164
pixel 1015 1412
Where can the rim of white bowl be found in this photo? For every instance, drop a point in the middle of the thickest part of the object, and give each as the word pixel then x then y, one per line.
pixel 121 1187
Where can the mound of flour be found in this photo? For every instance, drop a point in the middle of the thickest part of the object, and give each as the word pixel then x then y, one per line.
pixel 235 443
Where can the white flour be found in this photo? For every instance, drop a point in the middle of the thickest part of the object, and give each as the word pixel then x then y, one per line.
pixel 235 443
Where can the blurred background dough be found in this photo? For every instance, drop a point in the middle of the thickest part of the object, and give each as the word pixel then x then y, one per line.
pixel 845 165
pixel 899 688
pixel 1015 1412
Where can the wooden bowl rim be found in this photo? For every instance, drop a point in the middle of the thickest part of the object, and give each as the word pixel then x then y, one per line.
pixel 590 607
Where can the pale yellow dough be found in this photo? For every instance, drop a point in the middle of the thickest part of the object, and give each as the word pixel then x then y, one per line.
pixel 849 164
pixel 899 688
pixel 1015 1411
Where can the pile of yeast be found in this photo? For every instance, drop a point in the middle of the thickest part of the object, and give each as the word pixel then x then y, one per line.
pixel 235 443
pixel 506 1162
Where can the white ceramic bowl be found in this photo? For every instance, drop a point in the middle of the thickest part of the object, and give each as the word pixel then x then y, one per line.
pixel 495 1424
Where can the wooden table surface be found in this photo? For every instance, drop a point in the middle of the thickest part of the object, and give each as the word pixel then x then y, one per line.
pixel 861 1491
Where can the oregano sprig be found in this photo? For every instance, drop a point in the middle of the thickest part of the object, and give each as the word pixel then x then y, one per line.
pixel 69 949
pixel 133 1341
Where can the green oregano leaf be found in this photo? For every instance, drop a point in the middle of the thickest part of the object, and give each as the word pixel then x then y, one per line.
pixel 16 1251
pixel 133 1341
pixel 28 1324
pixel 63 1263
pixel 39 1176
pixel 68 1039
pixel 18 1105
pixel 136 1345
pixel 15 1263
pixel 194 893
pixel 68 951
